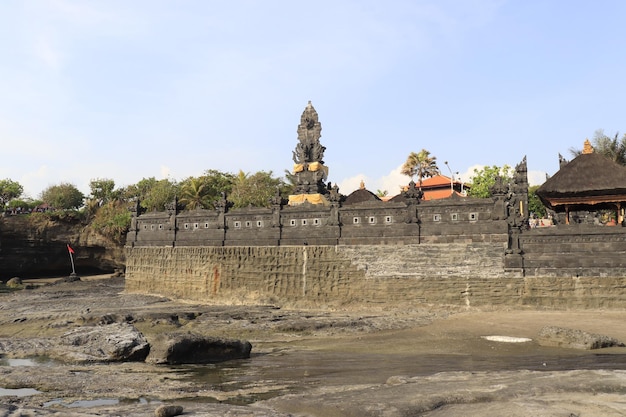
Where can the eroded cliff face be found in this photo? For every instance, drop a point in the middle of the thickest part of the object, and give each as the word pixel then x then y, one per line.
pixel 38 248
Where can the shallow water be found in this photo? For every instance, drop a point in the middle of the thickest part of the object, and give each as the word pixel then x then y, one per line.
pixel 18 392
pixel 25 361
pixel 95 403
pixel 299 371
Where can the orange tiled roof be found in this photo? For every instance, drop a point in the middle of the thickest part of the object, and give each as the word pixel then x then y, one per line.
pixel 437 180
pixel 439 194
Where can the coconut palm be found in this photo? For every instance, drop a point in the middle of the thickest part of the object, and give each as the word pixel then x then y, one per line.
pixel 421 164
pixel 613 148
pixel 193 193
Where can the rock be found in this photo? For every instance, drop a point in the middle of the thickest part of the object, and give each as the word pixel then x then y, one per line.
pixel 168 411
pixel 71 278
pixel 14 282
pixel 181 348
pixel 574 339
pixel 116 342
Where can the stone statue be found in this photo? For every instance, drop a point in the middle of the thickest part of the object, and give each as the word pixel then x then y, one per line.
pixel 308 157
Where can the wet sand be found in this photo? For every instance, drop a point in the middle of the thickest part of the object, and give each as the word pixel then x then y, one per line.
pixel 354 361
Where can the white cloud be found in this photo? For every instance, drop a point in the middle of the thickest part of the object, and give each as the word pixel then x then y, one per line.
pixel 47 53
pixel 35 180
pixel 348 185
pixel 536 177
pixel 391 183
pixel 166 172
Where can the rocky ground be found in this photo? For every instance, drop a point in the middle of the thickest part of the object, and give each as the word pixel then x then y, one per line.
pixel 376 361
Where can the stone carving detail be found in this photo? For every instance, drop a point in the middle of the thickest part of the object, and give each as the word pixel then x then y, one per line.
pixel 309 170
pixel 172 206
pixel 413 192
pixel 222 205
pixel 517 207
pixel 135 211
pixel 309 148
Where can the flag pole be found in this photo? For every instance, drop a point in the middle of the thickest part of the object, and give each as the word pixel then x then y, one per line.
pixel 71 251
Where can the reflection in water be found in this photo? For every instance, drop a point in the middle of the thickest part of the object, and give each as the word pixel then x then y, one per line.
pixel 298 371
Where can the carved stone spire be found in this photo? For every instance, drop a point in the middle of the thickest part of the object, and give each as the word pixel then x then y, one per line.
pixel 308 157
pixel 309 148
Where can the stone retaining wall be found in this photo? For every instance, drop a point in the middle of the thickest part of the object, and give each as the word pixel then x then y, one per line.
pixel 469 274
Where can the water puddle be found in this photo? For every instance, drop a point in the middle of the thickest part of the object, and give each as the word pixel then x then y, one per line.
pixel 18 392
pixel 39 361
pixel 96 403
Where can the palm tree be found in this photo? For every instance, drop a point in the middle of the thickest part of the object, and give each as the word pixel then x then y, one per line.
pixel 614 149
pixel 421 164
pixel 193 193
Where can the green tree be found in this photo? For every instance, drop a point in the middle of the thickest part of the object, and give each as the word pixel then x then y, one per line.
pixel 64 196
pixel 9 190
pixel 153 194
pixel 112 220
pixel 421 164
pixel 24 204
pixel 203 191
pixel 485 178
pixel 102 190
pixel 534 203
pixel 193 193
pixel 291 183
pixel 255 190
pixel 613 148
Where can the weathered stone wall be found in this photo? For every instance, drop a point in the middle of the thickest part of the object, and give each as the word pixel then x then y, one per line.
pixel 577 250
pixel 461 274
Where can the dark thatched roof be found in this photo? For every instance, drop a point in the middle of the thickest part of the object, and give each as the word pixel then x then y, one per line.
pixel 361 196
pixel 586 178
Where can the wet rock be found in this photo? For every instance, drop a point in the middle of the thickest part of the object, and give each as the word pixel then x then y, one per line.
pixel 117 342
pixel 181 348
pixel 168 411
pixel 574 339
pixel 14 282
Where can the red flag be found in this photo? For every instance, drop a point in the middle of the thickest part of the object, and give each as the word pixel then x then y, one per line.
pixel 69 248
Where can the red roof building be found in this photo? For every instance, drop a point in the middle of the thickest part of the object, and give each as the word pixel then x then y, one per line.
pixel 441 186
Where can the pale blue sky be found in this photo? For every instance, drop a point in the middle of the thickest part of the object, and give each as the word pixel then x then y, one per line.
pixel 134 89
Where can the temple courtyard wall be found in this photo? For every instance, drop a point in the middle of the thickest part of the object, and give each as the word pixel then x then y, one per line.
pixel 582 267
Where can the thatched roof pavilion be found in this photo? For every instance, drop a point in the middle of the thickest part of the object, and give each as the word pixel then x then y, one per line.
pixel 590 181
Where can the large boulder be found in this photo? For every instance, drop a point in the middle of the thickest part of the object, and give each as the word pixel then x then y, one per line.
pixel 574 339
pixel 116 342
pixel 187 348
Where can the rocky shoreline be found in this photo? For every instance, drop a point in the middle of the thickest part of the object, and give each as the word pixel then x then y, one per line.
pixel 354 361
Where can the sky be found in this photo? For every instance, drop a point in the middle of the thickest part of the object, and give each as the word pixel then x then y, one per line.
pixel 133 89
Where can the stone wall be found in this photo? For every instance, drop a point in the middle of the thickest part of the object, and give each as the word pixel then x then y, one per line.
pixel 462 274
pixel 577 250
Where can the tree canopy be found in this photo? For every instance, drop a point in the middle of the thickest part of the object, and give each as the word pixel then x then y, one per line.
pixel 102 190
pixel 9 190
pixel 203 191
pixel 63 196
pixel 255 190
pixel 485 178
pixel 534 203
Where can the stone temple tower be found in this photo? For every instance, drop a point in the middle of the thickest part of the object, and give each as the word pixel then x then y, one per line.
pixel 308 157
